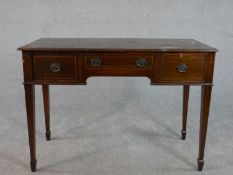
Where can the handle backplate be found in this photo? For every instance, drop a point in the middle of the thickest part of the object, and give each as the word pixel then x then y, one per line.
pixel 55 67
pixel 141 62
pixel 182 68
pixel 96 62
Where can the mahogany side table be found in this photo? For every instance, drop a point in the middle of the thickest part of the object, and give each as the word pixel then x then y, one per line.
pixel 66 61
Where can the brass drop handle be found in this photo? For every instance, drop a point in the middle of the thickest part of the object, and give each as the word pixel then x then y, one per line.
pixel 55 67
pixel 182 68
pixel 96 62
pixel 141 62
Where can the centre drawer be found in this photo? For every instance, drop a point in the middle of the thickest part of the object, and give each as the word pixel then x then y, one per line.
pixel 55 67
pixel 119 61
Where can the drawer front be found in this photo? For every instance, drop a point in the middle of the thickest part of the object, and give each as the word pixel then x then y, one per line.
pixel 55 67
pixel 182 67
pixel 119 61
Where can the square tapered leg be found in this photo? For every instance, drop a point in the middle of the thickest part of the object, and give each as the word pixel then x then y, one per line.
pixel 185 110
pixel 204 115
pixel 45 88
pixel 30 107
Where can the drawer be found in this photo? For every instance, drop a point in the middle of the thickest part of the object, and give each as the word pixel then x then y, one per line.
pixel 119 61
pixel 55 67
pixel 182 67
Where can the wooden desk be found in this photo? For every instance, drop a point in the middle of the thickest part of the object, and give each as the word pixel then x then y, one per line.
pixel 71 61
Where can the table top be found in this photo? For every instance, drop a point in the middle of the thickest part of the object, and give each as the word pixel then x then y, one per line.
pixel 116 44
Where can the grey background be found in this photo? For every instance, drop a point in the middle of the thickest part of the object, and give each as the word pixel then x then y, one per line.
pixel 121 125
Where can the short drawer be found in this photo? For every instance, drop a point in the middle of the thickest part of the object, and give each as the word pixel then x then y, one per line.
pixel 55 67
pixel 182 67
pixel 119 61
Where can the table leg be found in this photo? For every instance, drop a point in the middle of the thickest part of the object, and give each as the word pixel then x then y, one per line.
pixel 30 107
pixel 185 110
pixel 45 88
pixel 204 115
